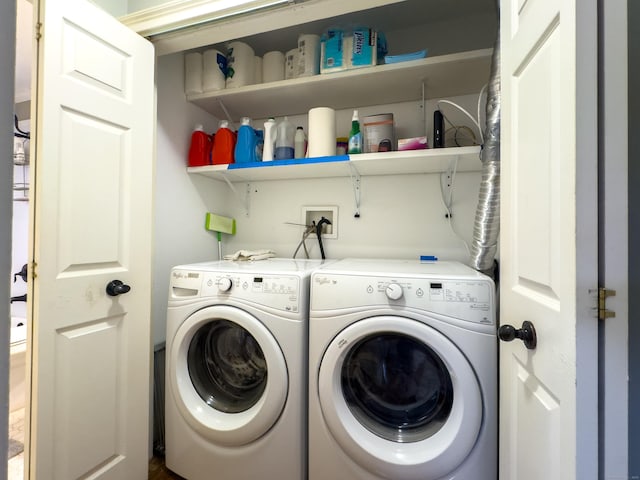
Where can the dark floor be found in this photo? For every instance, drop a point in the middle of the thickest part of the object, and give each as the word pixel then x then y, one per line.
pixel 159 471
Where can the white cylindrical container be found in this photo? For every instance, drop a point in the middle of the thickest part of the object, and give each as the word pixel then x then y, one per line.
pixel 272 66
pixel 240 65
pixel 257 74
pixel 193 73
pixel 291 64
pixel 308 55
pixel 299 143
pixel 322 132
pixel 214 62
pixel 269 140
pixel 378 133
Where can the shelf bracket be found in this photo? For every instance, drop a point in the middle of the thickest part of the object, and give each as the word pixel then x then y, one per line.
pixel 244 200
pixel 226 112
pixel 355 183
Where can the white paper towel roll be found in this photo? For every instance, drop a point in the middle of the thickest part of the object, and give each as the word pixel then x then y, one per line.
pixel 272 67
pixel 308 55
pixel 322 132
pixel 257 74
pixel 291 64
pixel 213 76
pixel 193 73
pixel 241 68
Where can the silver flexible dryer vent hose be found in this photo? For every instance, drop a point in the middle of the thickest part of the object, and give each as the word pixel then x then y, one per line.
pixel 487 223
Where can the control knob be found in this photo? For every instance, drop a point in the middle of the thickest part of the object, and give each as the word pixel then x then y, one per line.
pixel 394 291
pixel 224 284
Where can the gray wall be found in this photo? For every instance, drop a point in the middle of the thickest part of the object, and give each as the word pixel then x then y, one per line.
pixel 7 60
pixel 634 238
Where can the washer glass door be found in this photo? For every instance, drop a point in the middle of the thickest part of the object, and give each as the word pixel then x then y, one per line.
pixel 400 398
pixel 228 375
pixel 227 366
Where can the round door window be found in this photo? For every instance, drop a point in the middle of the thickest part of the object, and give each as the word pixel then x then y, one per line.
pixel 400 398
pixel 228 376
pixel 227 366
pixel 397 387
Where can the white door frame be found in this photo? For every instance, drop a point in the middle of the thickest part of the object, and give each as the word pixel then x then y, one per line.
pixel 7 56
pixel 614 258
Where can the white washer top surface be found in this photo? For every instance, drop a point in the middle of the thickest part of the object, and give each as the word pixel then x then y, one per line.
pixel 397 268
pixel 270 265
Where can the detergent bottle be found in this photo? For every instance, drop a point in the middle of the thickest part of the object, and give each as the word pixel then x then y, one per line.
pixel 199 147
pixel 245 151
pixel 224 144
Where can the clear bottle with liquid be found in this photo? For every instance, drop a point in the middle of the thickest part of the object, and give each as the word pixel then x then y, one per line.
pixel 285 134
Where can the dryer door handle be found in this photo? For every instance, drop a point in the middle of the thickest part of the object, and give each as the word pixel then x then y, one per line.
pixel 527 334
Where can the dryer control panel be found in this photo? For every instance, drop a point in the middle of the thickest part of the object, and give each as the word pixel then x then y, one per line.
pixel 469 299
pixel 278 291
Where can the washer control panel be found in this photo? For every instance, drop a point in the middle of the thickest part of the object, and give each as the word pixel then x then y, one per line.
pixel 467 299
pixel 281 292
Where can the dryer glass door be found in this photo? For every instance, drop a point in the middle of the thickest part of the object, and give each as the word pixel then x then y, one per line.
pixel 227 366
pixel 400 398
pixel 397 387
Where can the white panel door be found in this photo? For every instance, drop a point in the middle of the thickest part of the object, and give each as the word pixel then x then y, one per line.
pixel 548 420
pixel 92 224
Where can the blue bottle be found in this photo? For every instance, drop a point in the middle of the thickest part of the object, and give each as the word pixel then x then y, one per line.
pixel 245 150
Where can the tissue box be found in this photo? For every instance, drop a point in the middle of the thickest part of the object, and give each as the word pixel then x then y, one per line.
pixel 332 58
pixel 414 143
pixel 341 51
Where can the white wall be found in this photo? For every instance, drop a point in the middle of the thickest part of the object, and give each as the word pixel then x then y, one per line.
pixel 181 200
pixel 401 215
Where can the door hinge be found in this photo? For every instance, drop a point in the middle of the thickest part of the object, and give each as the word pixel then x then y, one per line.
pixel 32 269
pixel 38 30
pixel 603 294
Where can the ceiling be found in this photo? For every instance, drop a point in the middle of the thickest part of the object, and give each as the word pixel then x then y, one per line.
pixel 24 50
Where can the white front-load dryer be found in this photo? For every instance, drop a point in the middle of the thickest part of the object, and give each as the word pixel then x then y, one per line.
pixel 402 372
pixel 236 377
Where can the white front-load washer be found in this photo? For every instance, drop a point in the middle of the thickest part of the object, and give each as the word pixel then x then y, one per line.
pixel 236 381
pixel 402 372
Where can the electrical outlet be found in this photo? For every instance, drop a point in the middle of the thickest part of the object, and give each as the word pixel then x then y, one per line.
pixel 312 214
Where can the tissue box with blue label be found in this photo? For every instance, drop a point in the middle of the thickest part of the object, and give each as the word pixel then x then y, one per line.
pixel 343 51
pixel 332 57
pixel 364 50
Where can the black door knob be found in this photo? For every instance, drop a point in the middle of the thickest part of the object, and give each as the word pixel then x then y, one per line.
pixel 116 287
pixel 527 334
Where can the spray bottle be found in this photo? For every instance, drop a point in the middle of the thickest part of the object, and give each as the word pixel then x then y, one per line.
pixel 355 136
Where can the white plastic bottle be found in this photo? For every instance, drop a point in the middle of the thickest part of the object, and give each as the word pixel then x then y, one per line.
pixel 299 143
pixel 269 139
pixel 284 140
